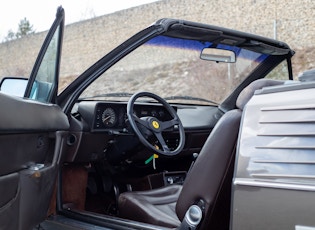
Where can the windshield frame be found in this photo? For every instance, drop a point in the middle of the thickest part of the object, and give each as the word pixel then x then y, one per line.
pixel 147 69
pixel 176 28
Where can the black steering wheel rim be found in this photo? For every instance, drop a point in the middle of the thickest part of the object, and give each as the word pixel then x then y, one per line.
pixel 156 126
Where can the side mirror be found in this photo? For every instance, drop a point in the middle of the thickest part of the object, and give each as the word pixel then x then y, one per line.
pixel 13 86
pixel 218 55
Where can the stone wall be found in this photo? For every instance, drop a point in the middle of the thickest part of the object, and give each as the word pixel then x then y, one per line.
pixel 85 42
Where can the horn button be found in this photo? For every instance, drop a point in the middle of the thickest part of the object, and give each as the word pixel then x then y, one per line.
pixel 155 124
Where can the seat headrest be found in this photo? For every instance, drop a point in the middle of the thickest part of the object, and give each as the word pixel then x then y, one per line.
pixel 247 93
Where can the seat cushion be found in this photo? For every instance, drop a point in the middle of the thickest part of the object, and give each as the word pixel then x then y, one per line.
pixel 156 206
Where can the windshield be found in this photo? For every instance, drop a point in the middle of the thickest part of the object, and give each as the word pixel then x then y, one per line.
pixel 172 68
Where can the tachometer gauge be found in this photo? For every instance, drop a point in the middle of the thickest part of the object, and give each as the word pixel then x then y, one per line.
pixel 109 117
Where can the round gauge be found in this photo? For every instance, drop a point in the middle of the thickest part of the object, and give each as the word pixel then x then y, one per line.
pixel 154 113
pixel 161 113
pixel 109 117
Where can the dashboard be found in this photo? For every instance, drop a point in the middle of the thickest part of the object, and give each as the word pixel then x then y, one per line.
pixel 96 125
pixel 106 116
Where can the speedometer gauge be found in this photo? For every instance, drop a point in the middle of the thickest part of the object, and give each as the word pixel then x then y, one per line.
pixel 109 117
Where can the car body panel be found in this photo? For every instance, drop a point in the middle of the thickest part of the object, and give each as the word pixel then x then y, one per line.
pixel 274 177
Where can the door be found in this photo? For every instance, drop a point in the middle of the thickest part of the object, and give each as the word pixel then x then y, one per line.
pixel 32 133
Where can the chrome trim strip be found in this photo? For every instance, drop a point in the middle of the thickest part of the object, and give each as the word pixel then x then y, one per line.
pixel 299 227
pixel 255 183
pixel 288 107
pixel 278 176
pixel 286 147
pixel 306 121
pixel 310 134
pixel 284 162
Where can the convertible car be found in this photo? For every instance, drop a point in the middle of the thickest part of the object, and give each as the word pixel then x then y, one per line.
pixel 182 126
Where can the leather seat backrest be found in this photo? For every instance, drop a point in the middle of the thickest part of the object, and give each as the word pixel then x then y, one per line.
pixel 210 178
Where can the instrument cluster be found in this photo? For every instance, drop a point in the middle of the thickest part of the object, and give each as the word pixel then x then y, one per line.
pixel 114 115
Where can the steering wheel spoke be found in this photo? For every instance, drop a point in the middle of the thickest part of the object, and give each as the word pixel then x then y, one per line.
pixel 140 121
pixel 169 124
pixel 162 142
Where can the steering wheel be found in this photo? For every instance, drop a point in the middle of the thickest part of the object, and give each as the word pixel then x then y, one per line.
pixel 155 125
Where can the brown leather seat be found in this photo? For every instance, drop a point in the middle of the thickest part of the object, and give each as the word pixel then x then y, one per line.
pixel 208 181
pixel 156 206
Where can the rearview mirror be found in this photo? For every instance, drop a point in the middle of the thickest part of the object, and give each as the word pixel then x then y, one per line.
pixel 218 55
pixel 13 86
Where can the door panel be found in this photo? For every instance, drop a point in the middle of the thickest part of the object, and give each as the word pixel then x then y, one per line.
pixel 20 116
pixel 36 191
pixel 20 151
pixel 29 158
pixel 32 134
pixel 9 200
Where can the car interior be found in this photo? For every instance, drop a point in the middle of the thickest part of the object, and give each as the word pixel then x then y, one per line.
pixel 162 198
pixel 141 152
pixel 147 156
pixel 145 138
